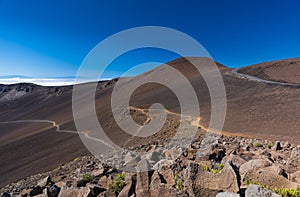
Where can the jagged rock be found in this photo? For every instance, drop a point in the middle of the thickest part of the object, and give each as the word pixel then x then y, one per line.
pixel 153 156
pixel 277 170
pixel 166 191
pixel 191 154
pixel 271 177
pixel 107 194
pixel 253 165
pixel 236 160
pixel 36 191
pixel 227 194
pixel 168 176
pixel 197 178
pixel 173 153
pixel 233 147
pixel 160 165
pixel 45 182
pixel 295 177
pixel 264 154
pixel 215 153
pixel 24 192
pixel 104 181
pixel 155 181
pixel 266 168
pixel 258 191
pixel 277 146
pixel 143 179
pixel 97 173
pixel 132 163
pixel 53 191
pixel 128 157
pixel 127 190
pixel 157 188
pixel 72 192
pixel 295 153
pixel 95 190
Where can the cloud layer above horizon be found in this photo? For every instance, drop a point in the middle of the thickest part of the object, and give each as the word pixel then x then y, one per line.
pixel 40 81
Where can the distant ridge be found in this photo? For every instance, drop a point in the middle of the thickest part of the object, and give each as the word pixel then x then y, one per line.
pixel 284 71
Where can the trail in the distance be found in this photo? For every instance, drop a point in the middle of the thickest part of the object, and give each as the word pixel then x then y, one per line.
pixel 196 122
pixel 40 121
pixel 57 126
pixel 236 73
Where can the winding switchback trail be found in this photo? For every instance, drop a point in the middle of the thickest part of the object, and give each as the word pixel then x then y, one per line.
pixel 196 122
pixel 193 121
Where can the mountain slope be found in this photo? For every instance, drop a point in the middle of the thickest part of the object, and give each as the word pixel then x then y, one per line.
pixel 286 71
pixel 262 110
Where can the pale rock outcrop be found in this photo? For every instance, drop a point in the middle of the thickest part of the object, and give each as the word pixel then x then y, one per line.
pixel 258 191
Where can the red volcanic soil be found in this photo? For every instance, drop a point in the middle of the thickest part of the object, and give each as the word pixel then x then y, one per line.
pixel 286 71
pixel 266 111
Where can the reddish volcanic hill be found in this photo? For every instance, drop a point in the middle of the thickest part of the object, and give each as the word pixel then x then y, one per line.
pixel 262 110
pixel 287 71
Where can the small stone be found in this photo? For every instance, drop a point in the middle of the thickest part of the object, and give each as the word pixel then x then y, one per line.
pixel 227 194
pixel 24 192
pixel 45 182
pixel 258 191
pixel 97 173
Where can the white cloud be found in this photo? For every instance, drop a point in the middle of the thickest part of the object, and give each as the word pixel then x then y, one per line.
pixel 40 81
pixel 44 81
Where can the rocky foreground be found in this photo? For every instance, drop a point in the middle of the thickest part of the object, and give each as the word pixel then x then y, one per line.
pixel 233 166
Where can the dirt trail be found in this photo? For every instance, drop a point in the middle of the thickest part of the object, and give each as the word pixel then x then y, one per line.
pixel 54 124
pixel 235 72
pixel 196 122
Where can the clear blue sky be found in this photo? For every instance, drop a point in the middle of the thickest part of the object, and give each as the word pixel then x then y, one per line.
pixel 51 38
